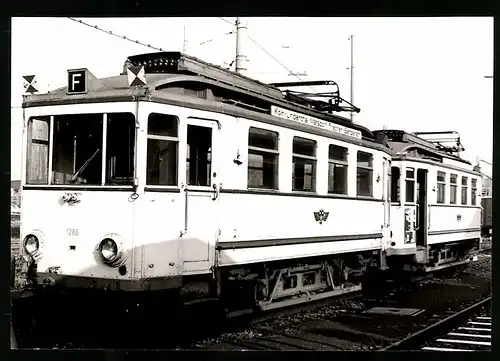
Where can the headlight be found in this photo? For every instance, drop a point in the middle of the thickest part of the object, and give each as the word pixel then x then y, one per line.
pixel 108 249
pixel 31 244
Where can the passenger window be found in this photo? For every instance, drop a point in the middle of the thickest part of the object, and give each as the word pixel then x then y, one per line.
pixel 364 174
pixel 473 191
pixel 441 183
pixel 304 165
pixel 410 185
pixel 337 169
pixel 37 157
pixel 163 147
pixel 262 159
pixel 395 186
pixel 464 190
pixel 199 155
pixel 453 189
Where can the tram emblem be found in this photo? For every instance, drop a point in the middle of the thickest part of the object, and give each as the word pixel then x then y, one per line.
pixel 321 216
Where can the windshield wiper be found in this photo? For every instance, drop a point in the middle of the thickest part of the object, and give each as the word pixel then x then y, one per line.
pixel 82 168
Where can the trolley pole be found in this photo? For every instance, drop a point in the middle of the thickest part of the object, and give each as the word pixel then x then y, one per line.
pixel 351 38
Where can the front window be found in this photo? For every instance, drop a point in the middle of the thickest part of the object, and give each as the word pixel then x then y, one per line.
pixel 80 144
pixel 410 185
pixel 395 179
pixel 37 156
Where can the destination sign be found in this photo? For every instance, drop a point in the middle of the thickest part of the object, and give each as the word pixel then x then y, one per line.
pixel 314 122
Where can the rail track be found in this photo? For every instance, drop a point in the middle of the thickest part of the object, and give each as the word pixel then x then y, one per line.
pixel 332 324
pixel 457 329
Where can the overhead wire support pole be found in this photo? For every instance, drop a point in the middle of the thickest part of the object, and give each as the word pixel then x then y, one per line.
pixel 351 38
pixel 241 58
pixel 184 42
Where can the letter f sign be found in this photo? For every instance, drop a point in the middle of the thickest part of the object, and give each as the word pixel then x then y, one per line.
pixel 74 78
pixel 77 80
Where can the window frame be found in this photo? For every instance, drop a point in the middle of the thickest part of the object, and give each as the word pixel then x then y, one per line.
pixel 453 188
pixel 412 180
pixel 306 157
pixel 368 168
pixel 166 138
pixel 441 188
pixel 395 185
pixel 341 162
pixel 49 120
pixel 257 150
pixel 465 189
pixel 473 192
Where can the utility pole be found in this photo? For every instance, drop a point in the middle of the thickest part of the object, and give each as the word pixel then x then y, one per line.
pixel 351 38
pixel 184 43
pixel 241 58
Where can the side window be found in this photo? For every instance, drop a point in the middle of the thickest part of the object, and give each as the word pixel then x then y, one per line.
pixel 163 147
pixel 263 155
pixel 464 190
pixel 304 165
pixel 441 182
pixel 337 169
pixel 199 155
pixel 395 186
pixel 364 174
pixel 410 185
pixel 453 189
pixel 473 191
pixel 37 156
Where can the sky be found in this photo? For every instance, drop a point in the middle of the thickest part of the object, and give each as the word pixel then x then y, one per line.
pixel 414 74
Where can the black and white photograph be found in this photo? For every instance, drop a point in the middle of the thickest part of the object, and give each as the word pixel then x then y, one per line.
pixel 251 183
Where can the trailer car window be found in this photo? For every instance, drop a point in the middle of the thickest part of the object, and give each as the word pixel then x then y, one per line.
pixel 473 192
pixel 364 174
pixel 337 169
pixel 77 149
pixel 304 165
pixel 441 183
pixel 163 147
pixel 37 156
pixel 453 189
pixel 263 153
pixel 395 186
pixel 410 185
pixel 464 190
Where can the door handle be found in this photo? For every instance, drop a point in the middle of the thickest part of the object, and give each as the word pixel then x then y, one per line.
pixel 429 222
pixel 215 195
pixel 417 216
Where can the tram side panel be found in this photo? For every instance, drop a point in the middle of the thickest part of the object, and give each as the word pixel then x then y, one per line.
pixel 449 224
pixel 261 225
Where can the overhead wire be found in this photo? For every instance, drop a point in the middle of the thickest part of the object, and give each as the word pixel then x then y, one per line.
pixel 109 32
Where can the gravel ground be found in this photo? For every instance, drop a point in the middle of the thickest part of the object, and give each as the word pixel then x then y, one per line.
pixel 342 325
